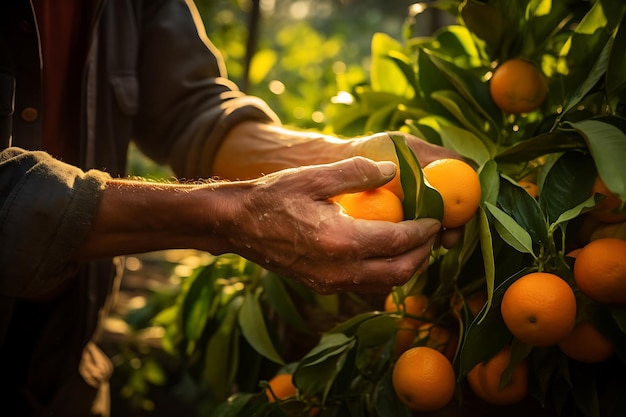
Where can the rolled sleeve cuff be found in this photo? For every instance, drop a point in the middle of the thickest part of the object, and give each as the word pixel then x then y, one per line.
pixel 47 210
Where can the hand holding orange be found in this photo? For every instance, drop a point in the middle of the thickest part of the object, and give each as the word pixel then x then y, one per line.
pixel 377 204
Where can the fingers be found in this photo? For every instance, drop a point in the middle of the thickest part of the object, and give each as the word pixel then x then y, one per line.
pixel 383 255
pixel 351 175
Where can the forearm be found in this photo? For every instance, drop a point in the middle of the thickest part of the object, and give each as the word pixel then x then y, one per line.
pixel 138 216
pixel 252 149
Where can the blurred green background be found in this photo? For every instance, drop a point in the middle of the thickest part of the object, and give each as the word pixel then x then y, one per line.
pixel 296 54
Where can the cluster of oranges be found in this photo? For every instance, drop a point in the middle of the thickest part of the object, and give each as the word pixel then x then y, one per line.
pixel 539 309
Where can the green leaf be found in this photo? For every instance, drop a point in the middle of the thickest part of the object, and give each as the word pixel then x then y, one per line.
pixel 616 68
pixel 607 144
pixel 376 332
pixel 585 56
pixel 318 369
pixel 567 184
pixel 467 83
pixel 476 14
pixel 489 181
pixel 350 326
pixel 576 211
pixel 543 144
pixel 524 209
pixel 385 74
pixel 463 112
pixel 221 353
pixel 510 231
pixel 597 72
pixel 420 199
pixel 466 144
pixel 254 329
pixel 380 119
pixel 486 248
pixel 197 303
pixel 281 301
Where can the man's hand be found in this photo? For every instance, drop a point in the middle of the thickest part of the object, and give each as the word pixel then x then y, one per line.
pixel 286 223
pixel 252 149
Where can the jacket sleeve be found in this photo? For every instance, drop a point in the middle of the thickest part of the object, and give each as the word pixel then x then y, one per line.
pixel 186 103
pixel 46 209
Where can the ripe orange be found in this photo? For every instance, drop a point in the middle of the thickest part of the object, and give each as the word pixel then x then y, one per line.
pixel 531 188
pixel 459 186
pixel 413 304
pixel 600 270
pixel 604 211
pixel 473 302
pixel 586 344
pixel 476 302
pixel 423 379
pixel 404 337
pixel 281 387
pixel 539 309
pixel 377 204
pixel 518 86
pixel 573 253
pixel 395 186
pixel 485 379
pixel 438 337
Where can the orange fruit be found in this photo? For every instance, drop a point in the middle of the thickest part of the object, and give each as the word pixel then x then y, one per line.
pixel 438 337
pixel 518 86
pixel 404 337
pixel 604 212
pixel 539 309
pixel 413 304
pixel 531 188
pixel 459 187
pixel 377 204
pixel 281 387
pixel 573 253
pixel 485 379
pixel 476 302
pixel 473 302
pixel 600 270
pixel 423 379
pixel 395 186
pixel 586 344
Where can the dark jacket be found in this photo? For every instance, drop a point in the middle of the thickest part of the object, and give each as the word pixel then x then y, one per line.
pixel 152 77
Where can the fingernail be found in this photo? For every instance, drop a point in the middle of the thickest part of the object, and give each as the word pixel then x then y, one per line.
pixel 387 168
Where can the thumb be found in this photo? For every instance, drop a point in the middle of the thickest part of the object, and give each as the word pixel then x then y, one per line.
pixel 356 174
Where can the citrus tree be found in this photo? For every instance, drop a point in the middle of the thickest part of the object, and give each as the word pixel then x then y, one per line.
pixel 527 308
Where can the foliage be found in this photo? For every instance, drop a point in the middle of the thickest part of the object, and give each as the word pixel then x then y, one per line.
pixel 234 322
